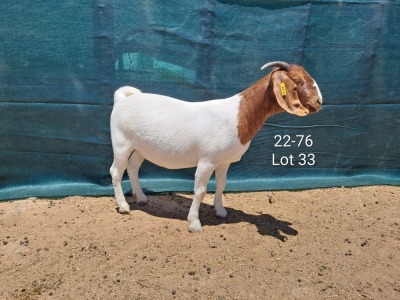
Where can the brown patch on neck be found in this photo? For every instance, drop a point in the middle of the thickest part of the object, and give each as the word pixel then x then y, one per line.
pixel 256 105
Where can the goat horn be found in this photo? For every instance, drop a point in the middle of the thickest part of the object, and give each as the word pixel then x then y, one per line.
pixel 280 64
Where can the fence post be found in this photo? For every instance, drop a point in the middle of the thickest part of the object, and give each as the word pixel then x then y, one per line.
pixel 104 47
pixel 205 48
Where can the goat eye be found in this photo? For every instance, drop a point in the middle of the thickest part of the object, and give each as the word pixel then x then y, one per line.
pixel 298 81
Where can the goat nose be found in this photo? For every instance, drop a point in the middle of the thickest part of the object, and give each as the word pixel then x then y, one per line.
pixel 319 101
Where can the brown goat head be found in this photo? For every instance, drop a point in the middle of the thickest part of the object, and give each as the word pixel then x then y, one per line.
pixel 295 90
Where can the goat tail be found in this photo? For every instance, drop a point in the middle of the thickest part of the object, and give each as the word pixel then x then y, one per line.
pixel 124 92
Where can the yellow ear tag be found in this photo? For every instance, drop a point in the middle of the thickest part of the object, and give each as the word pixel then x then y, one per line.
pixel 283 89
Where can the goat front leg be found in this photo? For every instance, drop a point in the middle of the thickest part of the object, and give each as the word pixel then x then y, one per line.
pixel 203 174
pixel 220 180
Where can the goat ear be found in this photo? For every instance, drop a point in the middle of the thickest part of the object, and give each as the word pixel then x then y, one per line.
pixel 286 97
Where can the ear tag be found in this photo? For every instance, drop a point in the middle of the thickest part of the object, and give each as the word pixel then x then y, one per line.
pixel 283 89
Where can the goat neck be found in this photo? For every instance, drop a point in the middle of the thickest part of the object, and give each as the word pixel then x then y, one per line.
pixel 257 104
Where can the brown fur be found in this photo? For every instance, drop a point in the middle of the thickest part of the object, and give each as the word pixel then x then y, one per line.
pixel 255 107
pixel 306 90
pixel 259 101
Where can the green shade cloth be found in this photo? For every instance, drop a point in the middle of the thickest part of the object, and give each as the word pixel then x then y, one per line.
pixel 60 62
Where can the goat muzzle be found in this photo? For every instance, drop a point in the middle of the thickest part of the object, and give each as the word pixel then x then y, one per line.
pixel 314 105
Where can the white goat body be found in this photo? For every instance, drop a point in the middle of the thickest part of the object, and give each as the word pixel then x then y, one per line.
pixel 176 134
pixel 210 135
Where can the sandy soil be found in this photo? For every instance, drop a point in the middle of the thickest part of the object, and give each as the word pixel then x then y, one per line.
pixel 337 243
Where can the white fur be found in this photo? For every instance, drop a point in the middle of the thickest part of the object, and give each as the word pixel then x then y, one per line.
pixel 174 134
pixel 318 91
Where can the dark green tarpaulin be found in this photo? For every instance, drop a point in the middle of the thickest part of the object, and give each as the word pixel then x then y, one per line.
pixel 60 62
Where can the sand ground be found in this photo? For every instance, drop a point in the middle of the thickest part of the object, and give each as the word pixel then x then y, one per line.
pixel 335 243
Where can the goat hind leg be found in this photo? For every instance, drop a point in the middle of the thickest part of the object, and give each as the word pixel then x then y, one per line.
pixel 134 164
pixel 117 171
pixel 220 178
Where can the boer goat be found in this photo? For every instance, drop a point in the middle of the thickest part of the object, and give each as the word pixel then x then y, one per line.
pixel 211 135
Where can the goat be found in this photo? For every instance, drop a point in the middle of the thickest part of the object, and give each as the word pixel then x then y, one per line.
pixel 209 135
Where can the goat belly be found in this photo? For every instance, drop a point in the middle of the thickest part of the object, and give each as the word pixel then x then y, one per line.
pixel 180 157
pixel 170 159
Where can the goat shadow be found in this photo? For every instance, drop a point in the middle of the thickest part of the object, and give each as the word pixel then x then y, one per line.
pixel 173 206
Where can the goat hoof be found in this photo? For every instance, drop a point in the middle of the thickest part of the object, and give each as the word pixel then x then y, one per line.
pixel 141 200
pixel 141 203
pixel 124 208
pixel 195 226
pixel 222 213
